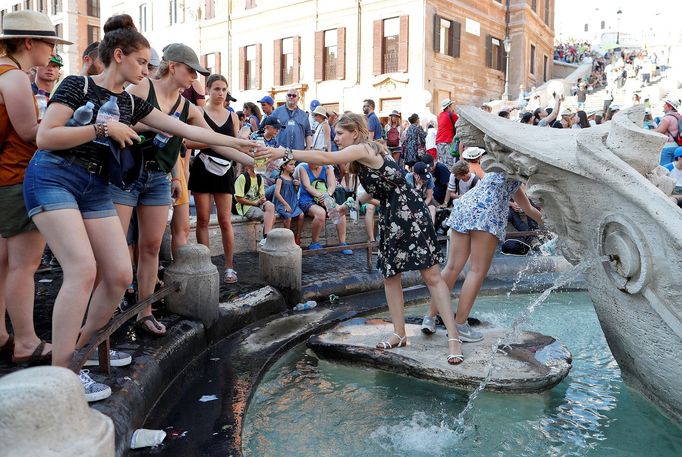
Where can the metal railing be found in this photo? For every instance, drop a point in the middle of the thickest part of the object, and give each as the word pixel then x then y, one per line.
pixel 368 245
pixel 101 339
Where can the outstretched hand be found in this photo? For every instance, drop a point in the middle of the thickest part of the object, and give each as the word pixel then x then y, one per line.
pixel 249 147
pixel 271 154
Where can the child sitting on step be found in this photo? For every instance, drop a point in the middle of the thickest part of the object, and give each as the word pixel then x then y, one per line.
pixel 286 198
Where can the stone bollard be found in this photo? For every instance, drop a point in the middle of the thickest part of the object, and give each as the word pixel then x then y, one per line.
pixel 280 264
pixel 43 413
pixel 199 284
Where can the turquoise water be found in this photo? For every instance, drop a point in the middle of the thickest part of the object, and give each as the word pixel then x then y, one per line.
pixel 307 406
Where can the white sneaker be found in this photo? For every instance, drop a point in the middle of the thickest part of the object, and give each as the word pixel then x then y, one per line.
pixel 230 276
pixel 428 325
pixel 116 359
pixel 94 391
pixel 468 334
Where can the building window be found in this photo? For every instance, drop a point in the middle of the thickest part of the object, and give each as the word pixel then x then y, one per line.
pixel 28 5
pixel 251 68
pixel 176 11
pixel 209 9
pixel 250 4
pixel 56 6
pixel 545 67
pixel 287 61
pixel 58 28
pixel 212 62
pixel 494 53
pixel 547 12
pixel 446 36
pixel 390 45
pixel 587 27
pixel 534 5
pixel 93 33
pixel 16 7
pixel 143 18
pixel 603 25
pixel 532 59
pixel 93 8
pixel 330 54
pixel 41 6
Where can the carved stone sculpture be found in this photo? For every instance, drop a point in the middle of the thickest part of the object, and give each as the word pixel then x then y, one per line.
pixel 601 191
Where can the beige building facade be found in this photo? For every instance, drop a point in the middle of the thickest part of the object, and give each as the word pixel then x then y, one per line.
pixel 75 20
pixel 406 55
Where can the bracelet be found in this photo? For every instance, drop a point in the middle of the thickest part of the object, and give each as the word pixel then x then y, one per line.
pixel 175 179
pixel 288 155
pixel 101 130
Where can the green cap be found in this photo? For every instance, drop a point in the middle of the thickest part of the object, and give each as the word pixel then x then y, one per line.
pixel 178 52
pixel 57 59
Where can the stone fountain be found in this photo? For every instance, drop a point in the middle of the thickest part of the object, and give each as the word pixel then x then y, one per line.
pixel 602 192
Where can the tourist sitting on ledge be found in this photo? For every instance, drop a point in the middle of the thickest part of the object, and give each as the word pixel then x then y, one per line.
pixel 249 191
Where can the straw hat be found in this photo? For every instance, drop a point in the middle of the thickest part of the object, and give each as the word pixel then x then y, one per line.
pixel 29 24
pixel 473 153
pixel 321 111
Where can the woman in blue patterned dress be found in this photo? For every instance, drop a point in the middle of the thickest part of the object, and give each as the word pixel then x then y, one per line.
pixel 407 238
pixel 478 222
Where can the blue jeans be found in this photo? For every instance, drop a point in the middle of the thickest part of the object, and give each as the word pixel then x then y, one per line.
pixel 152 188
pixel 53 182
pixel 668 154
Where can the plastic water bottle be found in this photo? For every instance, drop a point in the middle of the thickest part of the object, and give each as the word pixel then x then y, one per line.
pixel 310 304
pixel 332 210
pixel 161 138
pixel 108 112
pixel 82 116
pixel 352 209
pixel 41 101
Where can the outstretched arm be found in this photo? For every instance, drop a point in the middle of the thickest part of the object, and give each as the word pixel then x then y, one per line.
pixel 521 199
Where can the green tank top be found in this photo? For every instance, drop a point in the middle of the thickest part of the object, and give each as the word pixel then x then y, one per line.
pixel 166 157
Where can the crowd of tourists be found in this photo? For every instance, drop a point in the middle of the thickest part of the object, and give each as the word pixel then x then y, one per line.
pixel 91 165
pixel 572 51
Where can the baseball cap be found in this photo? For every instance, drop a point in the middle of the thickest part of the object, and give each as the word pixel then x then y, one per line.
pixel 427 159
pixel 178 52
pixel 678 152
pixel 154 60
pixel 230 97
pixel 421 169
pixel 273 122
pixel 57 60
pixel 267 99
pixel 314 104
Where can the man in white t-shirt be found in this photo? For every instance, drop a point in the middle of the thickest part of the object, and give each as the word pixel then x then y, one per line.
pixel 462 180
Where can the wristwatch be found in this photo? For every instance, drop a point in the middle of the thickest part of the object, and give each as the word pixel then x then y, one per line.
pixel 288 155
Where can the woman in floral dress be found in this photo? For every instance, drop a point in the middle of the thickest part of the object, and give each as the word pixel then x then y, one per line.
pixel 407 237
pixel 478 222
pixel 415 137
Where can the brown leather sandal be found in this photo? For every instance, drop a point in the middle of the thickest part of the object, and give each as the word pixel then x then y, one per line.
pixel 37 358
pixel 142 325
pixel 7 349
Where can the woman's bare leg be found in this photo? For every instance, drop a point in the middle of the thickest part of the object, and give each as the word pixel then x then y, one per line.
pixel 223 204
pixel 483 246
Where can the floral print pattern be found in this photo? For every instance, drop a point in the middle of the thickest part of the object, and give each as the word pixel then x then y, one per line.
pixel 415 137
pixel 407 238
pixel 485 207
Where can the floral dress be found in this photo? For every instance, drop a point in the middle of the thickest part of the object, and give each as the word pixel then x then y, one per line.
pixel 407 238
pixel 485 207
pixel 414 138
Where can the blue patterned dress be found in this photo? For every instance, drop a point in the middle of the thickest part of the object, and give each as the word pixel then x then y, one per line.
pixel 485 207
pixel 407 239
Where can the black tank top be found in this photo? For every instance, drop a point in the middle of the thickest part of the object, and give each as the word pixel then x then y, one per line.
pixel 226 129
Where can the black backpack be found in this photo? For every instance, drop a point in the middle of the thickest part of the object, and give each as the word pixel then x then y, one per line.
pixel 247 188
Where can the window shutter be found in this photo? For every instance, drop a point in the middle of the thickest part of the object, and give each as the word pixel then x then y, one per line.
pixel 436 33
pixel 297 59
pixel 278 62
pixel 455 38
pixel 319 56
pixel 217 63
pixel 341 53
pixel 403 42
pixel 488 51
pixel 242 67
pixel 378 47
pixel 501 59
pixel 259 66
pixel 203 60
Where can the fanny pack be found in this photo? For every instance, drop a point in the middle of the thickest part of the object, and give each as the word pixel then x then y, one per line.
pixel 214 165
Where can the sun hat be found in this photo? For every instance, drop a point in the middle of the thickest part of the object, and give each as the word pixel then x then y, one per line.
pixel 267 99
pixel 674 103
pixel 395 113
pixel 178 52
pixel 29 24
pixel 321 111
pixel 445 103
pixel 421 169
pixel 473 153
pixel 614 108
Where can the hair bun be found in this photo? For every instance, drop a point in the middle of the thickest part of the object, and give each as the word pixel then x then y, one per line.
pixel 120 21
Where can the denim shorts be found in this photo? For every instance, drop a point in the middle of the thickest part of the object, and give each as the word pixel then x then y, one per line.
pixel 152 188
pixel 53 182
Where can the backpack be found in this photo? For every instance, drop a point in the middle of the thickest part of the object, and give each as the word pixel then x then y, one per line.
pixel 393 137
pixel 678 138
pixel 247 188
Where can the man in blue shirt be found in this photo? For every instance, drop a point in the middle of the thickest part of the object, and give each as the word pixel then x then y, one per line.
pixel 297 133
pixel 373 123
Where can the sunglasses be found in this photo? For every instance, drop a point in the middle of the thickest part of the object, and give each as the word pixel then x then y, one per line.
pixel 51 44
pixel 292 95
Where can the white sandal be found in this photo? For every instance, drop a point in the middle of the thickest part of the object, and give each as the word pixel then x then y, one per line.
pixel 459 357
pixel 402 342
